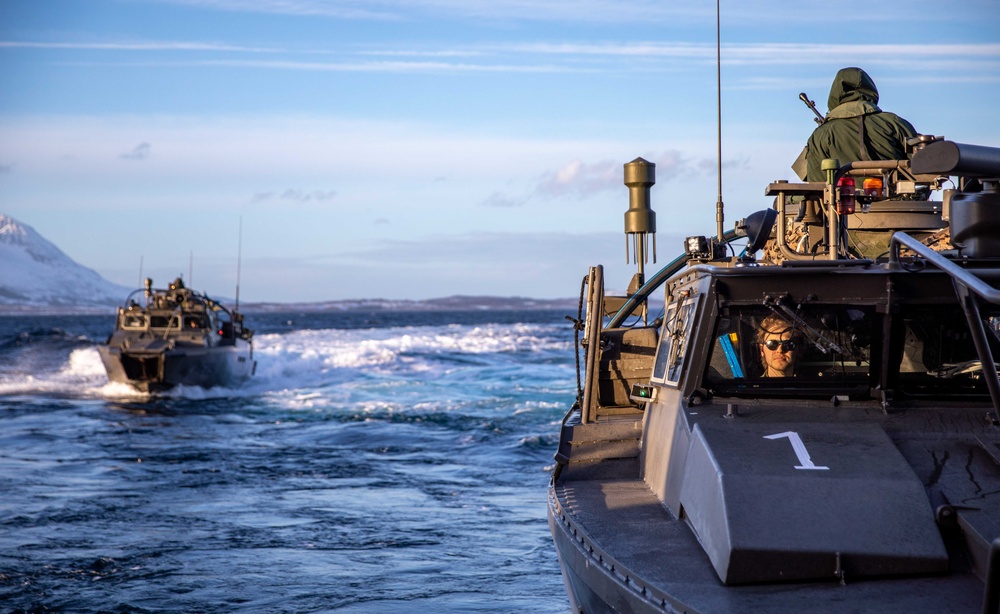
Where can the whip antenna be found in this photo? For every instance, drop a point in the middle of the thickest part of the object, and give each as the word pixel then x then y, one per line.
pixel 719 215
pixel 239 258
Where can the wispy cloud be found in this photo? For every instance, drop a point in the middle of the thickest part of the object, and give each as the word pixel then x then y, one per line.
pixel 503 201
pixel 582 11
pixel 397 67
pixel 303 196
pixel 343 9
pixel 139 152
pixel 585 11
pixel 295 196
pixel 579 178
pixel 137 46
pixel 976 61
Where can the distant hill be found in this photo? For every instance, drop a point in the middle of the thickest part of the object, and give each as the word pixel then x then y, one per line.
pixel 36 276
pixel 451 303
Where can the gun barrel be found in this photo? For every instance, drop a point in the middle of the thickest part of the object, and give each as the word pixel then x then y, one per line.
pixel 819 119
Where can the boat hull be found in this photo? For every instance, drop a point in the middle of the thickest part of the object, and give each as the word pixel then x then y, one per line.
pixel 153 371
pixel 592 585
pixel 664 571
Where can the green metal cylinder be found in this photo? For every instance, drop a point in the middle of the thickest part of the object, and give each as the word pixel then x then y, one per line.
pixel 640 175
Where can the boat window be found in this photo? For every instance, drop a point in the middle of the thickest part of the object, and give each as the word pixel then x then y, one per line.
pixel 939 357
pixel 134 320
pixel 194 322
pixel 164 321
pixel 758 348
pixel 159 321
pixel 678 321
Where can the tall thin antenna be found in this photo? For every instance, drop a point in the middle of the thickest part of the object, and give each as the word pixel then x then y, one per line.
pixel 191 269
pixel 719 215
pixel 239 259
pixel 139 285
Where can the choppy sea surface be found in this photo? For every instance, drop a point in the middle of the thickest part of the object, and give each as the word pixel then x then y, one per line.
pixel 379 462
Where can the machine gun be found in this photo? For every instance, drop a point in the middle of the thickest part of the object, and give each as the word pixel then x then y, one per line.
pixel 819 119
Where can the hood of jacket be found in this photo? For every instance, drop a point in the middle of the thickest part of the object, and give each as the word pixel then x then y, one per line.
pixel 852 85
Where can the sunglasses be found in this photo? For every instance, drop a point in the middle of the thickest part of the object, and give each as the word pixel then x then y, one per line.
pixel 772 344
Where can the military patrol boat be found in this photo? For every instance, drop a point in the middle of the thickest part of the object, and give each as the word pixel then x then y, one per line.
pixel 177 336
pixel 810 430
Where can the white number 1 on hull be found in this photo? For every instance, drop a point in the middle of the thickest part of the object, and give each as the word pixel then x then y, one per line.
pixel 800 449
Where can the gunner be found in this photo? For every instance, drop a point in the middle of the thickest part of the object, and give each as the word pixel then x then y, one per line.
pixel 855 127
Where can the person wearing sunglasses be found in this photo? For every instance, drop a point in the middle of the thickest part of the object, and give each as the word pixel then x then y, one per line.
pixel 778 343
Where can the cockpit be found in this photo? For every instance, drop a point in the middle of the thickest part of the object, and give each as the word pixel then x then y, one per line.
pixel 920 351
pixel 826 347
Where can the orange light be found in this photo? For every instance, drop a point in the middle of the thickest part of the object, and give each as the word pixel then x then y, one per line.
pixel 873 187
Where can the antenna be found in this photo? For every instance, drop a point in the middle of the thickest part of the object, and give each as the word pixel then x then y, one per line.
pixel 719 215
pixel 140 270
pixel 191 269
pixel 239 258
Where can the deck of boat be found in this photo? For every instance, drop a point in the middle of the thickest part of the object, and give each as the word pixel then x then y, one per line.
pixel 658 558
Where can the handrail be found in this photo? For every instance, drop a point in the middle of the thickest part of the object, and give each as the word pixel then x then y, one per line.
pixel 595 315
pixel 654 282
pixel 965 282
pixel 977 285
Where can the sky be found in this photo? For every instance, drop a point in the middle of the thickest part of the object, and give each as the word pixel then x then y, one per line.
pixel 312 150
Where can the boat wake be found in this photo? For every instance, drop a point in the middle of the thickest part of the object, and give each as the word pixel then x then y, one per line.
pixel 300 368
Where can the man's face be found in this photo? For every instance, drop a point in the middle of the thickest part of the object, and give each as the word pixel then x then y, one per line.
pixel 778 350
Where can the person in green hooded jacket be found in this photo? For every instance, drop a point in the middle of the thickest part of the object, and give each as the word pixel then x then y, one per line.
pixel 855 127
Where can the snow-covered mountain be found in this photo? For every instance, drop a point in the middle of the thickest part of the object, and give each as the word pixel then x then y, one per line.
pixel 35 275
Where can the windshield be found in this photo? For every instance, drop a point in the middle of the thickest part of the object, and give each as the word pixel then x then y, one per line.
pixel 938 356
pixel 821 347
pixel 133 320
pixel 819 350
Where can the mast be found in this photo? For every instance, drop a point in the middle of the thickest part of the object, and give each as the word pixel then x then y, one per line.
pixel 239 258
pixel 719 215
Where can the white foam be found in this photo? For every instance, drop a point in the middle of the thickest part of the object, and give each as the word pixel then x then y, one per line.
pixel 292 366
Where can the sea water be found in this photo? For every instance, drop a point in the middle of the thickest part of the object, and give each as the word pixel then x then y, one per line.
pixel 377 462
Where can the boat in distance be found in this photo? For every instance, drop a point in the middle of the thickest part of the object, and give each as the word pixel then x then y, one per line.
pixel 813 430
pixel 177 337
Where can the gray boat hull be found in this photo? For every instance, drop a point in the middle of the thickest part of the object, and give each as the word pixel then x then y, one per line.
pixel 154 370
pixel 667 571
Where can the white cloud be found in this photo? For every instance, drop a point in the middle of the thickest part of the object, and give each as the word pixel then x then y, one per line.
pixel 579 178
pixel 294 196
pixel 389 67
pixel 136 46
pixel 584 11
pixel 519 10
pixel 942 62
pixel 503 201
pixel 138 153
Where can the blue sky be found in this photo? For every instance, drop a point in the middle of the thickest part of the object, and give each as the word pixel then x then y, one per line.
pixel 425 148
